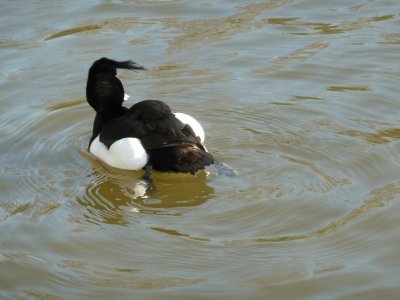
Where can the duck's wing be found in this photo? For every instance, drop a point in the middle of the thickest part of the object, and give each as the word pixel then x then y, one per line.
pixel 153 123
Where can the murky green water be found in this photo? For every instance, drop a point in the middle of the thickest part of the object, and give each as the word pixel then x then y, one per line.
pixel 300 97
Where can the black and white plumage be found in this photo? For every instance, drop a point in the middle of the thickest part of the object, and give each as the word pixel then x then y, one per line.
pixel 147 135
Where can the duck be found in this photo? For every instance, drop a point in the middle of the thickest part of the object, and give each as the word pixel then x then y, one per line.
pixel 148 135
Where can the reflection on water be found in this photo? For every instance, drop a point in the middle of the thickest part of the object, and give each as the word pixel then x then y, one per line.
pixel 299 97
pixel 322 28
pixel 198 33
pixel 298 55
pixel 115 24
pixel 109 197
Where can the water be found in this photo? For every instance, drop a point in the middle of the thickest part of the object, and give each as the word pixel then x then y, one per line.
pixel 299 97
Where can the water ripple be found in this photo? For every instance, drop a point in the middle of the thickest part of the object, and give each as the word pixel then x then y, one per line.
pixel 377 199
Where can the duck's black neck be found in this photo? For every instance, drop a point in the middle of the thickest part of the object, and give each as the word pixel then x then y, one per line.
pixel 104 117
pixel 110 113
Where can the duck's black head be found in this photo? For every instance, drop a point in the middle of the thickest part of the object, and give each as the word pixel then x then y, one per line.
pixel 104 91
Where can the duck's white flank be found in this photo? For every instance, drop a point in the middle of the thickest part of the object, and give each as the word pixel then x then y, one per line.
pixel 126 153
pixel 192 122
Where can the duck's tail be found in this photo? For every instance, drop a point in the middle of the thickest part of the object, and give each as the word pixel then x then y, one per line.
pixel 183 158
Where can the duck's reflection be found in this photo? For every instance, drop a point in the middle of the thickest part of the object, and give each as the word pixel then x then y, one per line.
pixel 112 197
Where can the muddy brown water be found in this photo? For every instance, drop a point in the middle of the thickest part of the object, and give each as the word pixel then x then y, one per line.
pixel 301 98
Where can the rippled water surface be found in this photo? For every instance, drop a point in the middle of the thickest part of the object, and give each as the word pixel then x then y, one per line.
pixel 300 97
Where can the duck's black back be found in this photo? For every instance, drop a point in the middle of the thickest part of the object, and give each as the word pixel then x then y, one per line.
pixel 171 145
